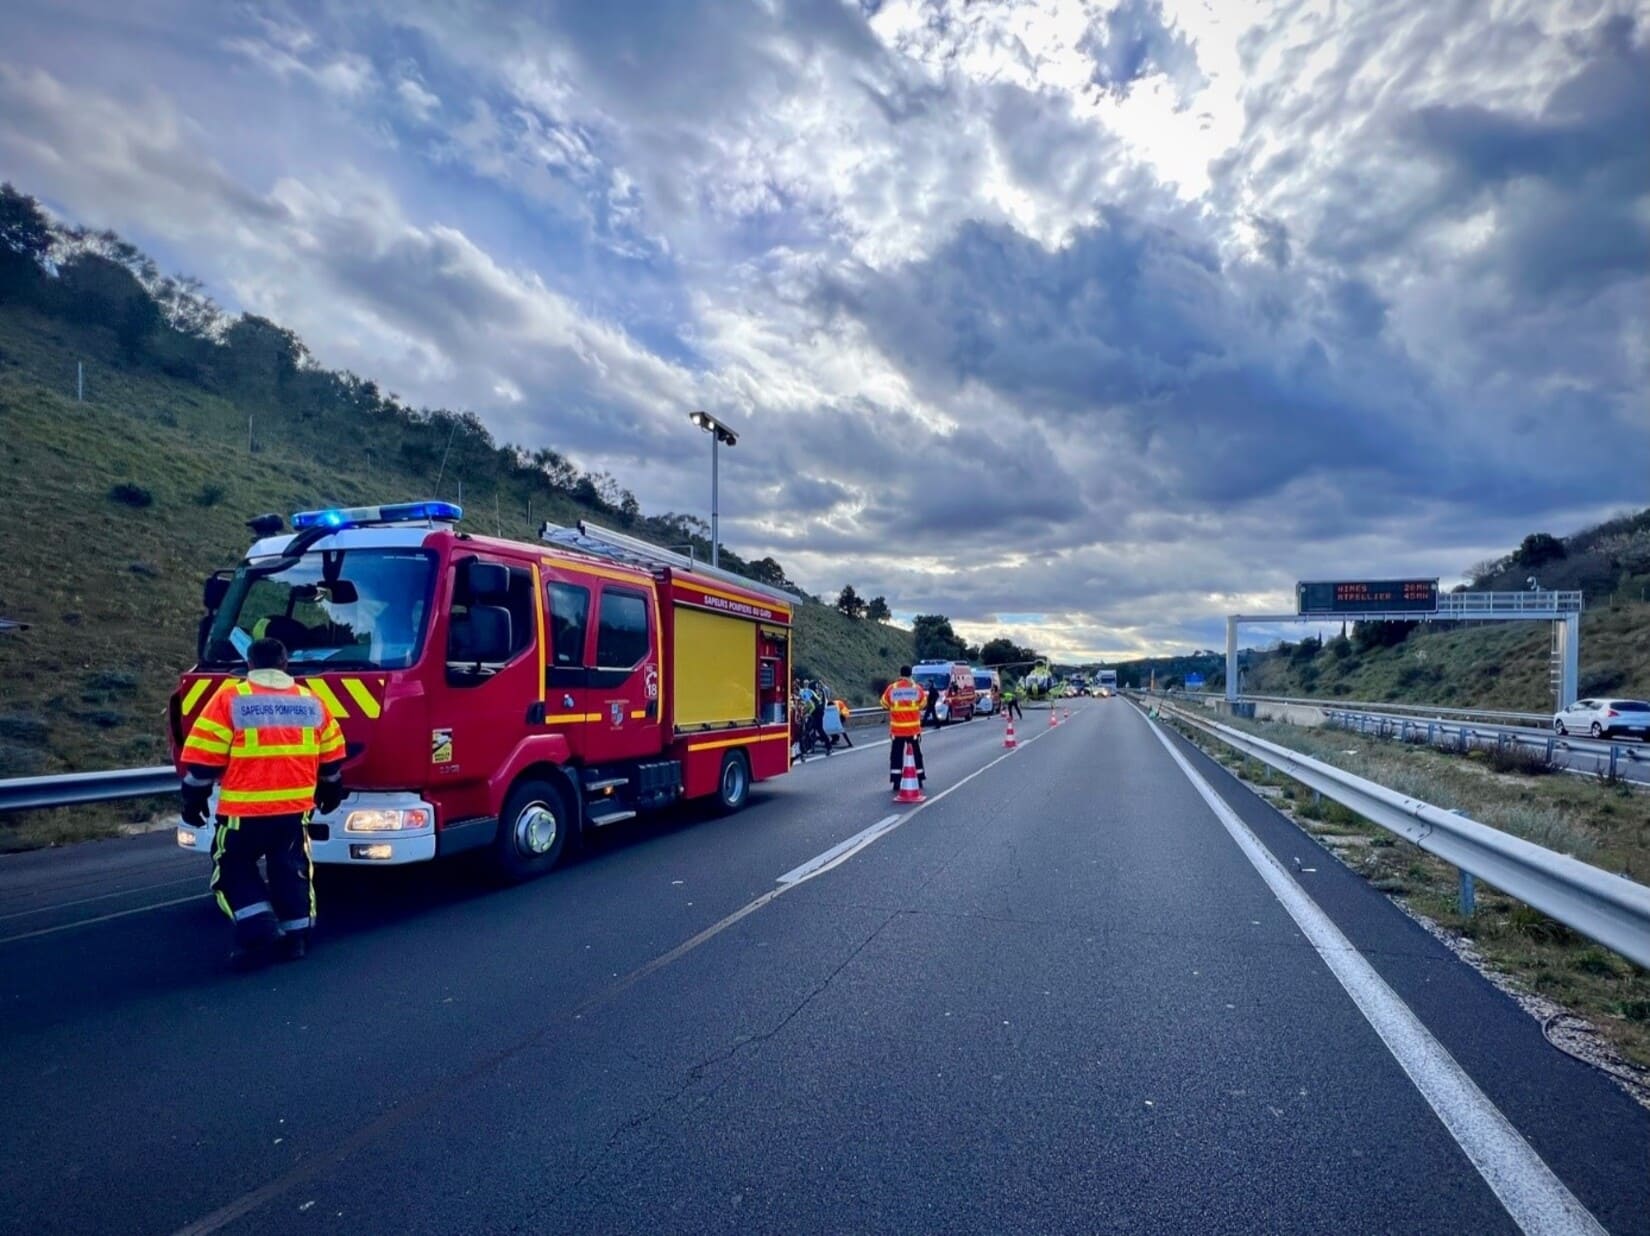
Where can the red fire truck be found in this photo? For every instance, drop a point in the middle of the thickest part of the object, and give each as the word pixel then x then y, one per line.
pixel 502 695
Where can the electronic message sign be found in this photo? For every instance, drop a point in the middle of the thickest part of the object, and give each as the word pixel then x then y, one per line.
pixel 1368 596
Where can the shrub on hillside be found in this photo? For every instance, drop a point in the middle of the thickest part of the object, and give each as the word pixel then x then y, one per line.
pixel 1306 650
pixel 1415 675
pixel 1602 679
pixel 23 730
pixel 209 495
pixel 1538 549
pixel 22 761
pixel 134 496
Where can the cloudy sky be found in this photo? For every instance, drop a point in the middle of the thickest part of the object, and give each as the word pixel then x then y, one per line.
pixel 1082 320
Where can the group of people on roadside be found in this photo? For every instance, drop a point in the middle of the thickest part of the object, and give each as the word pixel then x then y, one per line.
pixel 819 716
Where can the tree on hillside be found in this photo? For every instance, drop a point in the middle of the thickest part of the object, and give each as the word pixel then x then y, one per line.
pixel 557 470
pixel 876 609
pixel 1538 549
pixel 849 603
pixel 934 639
pixel 105 293
pixel 1003 651
pixel 25 239
pixel 262 357
pixel 1307 649
pixel 1368 635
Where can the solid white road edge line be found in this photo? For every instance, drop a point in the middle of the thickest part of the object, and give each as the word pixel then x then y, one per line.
pixel 1537 1200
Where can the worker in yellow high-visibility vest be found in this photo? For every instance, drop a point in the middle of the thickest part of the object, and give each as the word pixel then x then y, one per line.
pixel 903 699
pixel 278 754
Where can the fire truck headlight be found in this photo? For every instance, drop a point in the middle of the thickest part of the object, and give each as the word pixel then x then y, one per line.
pixel 387 820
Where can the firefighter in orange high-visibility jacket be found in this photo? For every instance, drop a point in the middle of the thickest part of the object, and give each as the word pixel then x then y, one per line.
pixel 904 699
pixel 278 753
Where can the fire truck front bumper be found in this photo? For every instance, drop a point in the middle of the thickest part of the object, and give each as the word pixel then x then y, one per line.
pixel 368 829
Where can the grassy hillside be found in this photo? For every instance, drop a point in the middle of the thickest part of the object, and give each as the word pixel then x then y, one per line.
pixel 854 656
pixel 111 586
pixel 1499 666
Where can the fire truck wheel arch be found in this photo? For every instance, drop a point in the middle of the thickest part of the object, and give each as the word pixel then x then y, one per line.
pixel 533 828
pixel 733 784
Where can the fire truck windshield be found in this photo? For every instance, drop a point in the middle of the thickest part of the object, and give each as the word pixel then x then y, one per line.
pixel 341 609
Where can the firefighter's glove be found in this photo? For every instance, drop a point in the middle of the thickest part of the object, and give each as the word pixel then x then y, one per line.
pixel 196 800
pixel 328 795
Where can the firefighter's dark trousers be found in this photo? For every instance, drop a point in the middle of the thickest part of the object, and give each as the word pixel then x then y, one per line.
pixel 896 759
pixel 283 843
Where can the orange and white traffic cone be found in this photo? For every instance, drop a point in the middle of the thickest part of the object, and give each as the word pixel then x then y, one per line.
pixel 910 785
pixel 1053 716
pixel 1008 735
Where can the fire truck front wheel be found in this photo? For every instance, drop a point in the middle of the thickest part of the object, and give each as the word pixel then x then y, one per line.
pixel 532 831
pixel 733 785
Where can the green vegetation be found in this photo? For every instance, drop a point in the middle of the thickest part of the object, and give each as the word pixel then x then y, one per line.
pixel 1608 826
pixel 853 657
pixel 120 505
pixel 1489 666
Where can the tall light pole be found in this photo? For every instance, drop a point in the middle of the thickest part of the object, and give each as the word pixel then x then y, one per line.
pixel 719 433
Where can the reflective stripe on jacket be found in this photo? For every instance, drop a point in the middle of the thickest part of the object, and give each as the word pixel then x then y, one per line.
pixel 904 700
pixel 270 737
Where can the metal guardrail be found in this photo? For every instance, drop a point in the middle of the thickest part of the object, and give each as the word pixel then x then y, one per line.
pixel 1466 604
pixel 70 789
pixel 1610 909
pixel 73 789
pixel 1436 733
pixel 1415 723
pixel 1494 716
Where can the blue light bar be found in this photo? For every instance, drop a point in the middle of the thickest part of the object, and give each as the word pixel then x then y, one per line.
pixel 367 516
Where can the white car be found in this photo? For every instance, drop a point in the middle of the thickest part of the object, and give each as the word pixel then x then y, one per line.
pixel 1605 719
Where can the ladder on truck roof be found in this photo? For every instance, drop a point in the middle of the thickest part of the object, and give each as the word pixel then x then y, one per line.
pixel 589 538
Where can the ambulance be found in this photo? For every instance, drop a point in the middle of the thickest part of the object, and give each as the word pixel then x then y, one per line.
pixel 498 695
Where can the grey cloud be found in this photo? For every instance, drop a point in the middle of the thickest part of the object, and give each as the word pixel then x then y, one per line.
pixel 1569 184
pixel 805 495
pixel 1134 335
pixel 1132 40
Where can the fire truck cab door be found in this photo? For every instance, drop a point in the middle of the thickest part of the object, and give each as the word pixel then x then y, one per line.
pixel 568 604
pixel 624 707
pixel 492 664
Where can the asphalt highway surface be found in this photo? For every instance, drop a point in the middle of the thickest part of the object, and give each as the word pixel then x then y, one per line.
pixel 1092 985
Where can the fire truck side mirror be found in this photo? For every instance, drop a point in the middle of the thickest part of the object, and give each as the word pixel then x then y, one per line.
pixel 213 591
pixel 486 581
pixel 482 637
